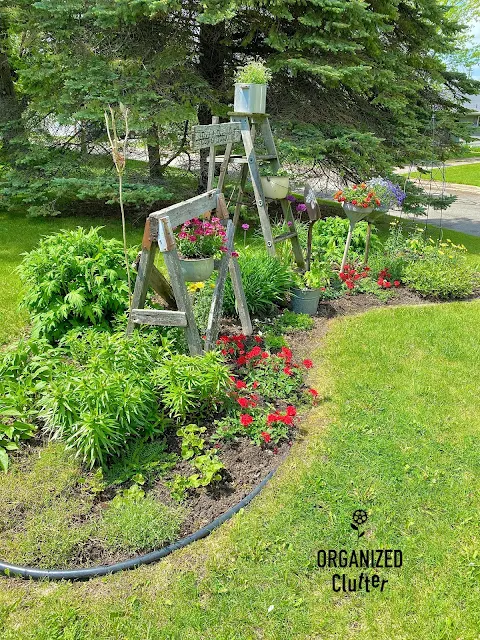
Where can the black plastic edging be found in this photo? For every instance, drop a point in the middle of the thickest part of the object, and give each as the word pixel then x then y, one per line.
pixel 132 563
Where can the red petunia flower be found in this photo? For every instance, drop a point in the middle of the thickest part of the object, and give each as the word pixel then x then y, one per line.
pixel 273 417
pixel 266 436
pixel 245 419
pixel 308 364
pixel 287 419
pixel 291 411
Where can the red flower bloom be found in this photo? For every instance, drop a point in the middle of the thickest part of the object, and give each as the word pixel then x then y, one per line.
pixel 266 436
pixel 287 370
pixel 287 419
pixel 273 417
pixel 257 339
pixel 291 411
pixel 285 353
pixel 396 283
pixel 241 360
pixel 313 392
pixel 240 384
pixel 256 351
pixel 255 385
pixel 308 364
pixel 245 419
pixel 243 402
pixel 265 355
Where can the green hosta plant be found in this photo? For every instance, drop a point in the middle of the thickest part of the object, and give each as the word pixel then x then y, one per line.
pixel 74 279
pixel 191 385
pixel 254 72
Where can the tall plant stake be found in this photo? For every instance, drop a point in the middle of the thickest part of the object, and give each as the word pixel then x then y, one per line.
pixel 119 155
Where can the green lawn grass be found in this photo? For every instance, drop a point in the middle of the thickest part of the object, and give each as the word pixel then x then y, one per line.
pixel 396 433
pixel 460 174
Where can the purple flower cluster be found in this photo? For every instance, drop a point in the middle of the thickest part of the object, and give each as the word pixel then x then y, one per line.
pixel 389 192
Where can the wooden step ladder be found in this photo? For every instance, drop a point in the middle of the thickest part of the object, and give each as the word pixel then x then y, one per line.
pixel 250 125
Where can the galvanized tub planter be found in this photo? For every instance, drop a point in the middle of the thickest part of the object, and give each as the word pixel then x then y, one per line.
pixel 197 269
pixel 250 98
pixel 305 301
pixel 275 187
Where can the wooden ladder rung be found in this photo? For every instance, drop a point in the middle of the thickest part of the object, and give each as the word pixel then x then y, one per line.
pixel 286 236
pixel 159 317
pixel 242 159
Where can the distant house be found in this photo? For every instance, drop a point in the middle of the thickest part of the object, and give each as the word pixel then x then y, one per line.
pixel 474 116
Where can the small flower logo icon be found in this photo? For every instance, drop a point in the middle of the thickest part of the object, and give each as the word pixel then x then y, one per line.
pixel 359 518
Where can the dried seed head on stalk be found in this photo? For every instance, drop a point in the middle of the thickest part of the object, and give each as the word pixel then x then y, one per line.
pixel 119 155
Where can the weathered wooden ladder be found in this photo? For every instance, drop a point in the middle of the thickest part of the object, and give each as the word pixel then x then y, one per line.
pixel 250 124
pixel 158 234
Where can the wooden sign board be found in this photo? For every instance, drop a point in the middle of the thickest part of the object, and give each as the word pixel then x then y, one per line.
pixel 313 209
pixel 215 135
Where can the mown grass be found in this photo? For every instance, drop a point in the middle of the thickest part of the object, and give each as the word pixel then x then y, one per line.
pixel 396 433
pixel 460 174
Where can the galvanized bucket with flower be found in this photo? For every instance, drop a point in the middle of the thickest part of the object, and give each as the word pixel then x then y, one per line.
pixel 358 202
pixel 198 241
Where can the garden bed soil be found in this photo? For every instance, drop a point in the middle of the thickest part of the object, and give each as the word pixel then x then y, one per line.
pixel 246 463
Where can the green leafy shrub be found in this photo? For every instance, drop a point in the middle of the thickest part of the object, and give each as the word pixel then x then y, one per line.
pixel 25 369
pixel 192 385
pixel 442 278
pixel 254 72
pixel 102 395
pixel 74 279
pixel 266 282
pixel 330 235
pixel 134 522
pixel 291 321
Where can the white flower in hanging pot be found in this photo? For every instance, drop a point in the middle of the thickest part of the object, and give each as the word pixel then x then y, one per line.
pixel 251 87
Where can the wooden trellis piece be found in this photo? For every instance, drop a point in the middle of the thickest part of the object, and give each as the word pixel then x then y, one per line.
pixel 158 235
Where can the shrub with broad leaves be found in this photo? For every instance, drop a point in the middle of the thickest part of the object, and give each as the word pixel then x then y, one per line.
pixel 74 279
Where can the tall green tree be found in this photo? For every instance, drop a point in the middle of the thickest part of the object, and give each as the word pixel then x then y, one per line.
pixel 354 88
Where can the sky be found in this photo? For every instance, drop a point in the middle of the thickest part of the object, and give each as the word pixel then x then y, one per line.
pixel 476 34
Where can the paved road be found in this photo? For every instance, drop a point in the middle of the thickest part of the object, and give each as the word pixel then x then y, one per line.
pixel 463 215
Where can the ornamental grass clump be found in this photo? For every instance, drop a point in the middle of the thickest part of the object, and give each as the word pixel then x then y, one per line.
pixel 201 238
